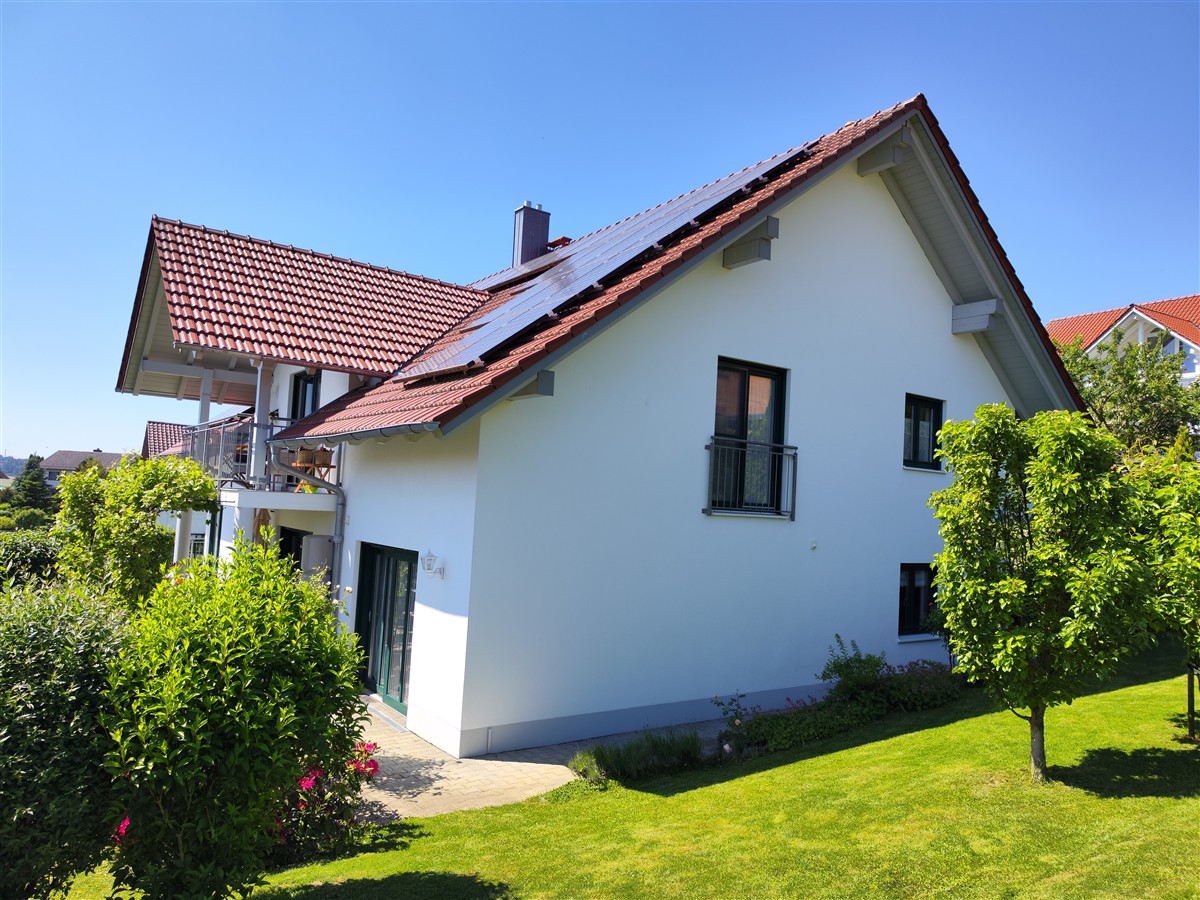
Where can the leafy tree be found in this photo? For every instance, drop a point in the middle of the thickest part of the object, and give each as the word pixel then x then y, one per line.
pixel 29 489
pixel 1168 488
pixel 56 797
pixel 1041 583
pixel 108 526
pixel 1134 390
pixel 237 681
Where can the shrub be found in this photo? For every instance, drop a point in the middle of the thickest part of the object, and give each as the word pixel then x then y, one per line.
pixel 318 815
pixel 920 685
pixel 30 518
pixel 236 683
pixel 26 556
pixel 810 720
pixel 646 754
pixel 55 796
pixel 855 675
pixel 733 738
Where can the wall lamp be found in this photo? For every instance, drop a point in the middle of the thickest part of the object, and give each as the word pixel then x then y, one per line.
pixel 429 563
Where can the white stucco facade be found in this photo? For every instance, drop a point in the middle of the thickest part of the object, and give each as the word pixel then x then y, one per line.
pixel 585 591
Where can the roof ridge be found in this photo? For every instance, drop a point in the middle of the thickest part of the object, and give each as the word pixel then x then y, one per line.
pixel 1095 312
pixel 354 262
pixel 1150 303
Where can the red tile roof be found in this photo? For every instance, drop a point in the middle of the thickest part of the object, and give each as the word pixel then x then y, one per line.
pixel 1089 326
pixel 244 295
pixel 162 437
pixel 426 404
pixel 1179 315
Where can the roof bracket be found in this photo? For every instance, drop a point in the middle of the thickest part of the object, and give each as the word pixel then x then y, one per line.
pixel 967 318
pixel 754 246
pixel 541 386
pixel 891 152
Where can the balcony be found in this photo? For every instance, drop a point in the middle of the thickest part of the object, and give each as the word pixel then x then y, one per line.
pixel 751 478
pixel 224 449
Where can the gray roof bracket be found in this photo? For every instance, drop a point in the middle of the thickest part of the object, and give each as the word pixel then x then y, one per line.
pixel 966 318
pixel 753 246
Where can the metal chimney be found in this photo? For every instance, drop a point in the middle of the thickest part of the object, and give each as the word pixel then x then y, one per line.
pixel 531 233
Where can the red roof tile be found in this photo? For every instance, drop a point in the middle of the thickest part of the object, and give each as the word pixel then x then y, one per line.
pixel 1089 327
pixel 1179 315
pixel 244 295
pixel 396 404
pixel 161 438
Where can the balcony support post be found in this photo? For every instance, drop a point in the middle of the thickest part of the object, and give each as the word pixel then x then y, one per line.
pixel 262 412
pixel 183 526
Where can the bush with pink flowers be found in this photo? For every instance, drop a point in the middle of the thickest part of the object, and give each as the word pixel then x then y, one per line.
pixel 319 815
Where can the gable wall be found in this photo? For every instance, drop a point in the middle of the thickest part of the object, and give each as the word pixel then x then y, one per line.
pixel 600 591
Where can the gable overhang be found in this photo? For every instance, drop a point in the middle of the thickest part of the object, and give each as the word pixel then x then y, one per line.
pixel 920 172
pixel 1137 313
pixel 156 363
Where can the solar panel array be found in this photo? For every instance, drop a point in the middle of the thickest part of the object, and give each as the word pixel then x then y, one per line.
pixel 579 265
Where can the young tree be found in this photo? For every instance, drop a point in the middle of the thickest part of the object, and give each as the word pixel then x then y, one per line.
pixel 107 525
pixel 1134 390
pixel 29 489
pixel 1040 582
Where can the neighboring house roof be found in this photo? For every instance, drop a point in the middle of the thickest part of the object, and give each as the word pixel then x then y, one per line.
pixel 233 294
pixel 1179 315
pixel 162 438
pixel 552 302
pixel 70 460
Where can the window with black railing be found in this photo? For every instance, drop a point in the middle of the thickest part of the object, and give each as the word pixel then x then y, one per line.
pixel 750 469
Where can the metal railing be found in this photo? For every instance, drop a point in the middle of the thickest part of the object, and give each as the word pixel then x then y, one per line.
pixel 751 478
pixel 225 449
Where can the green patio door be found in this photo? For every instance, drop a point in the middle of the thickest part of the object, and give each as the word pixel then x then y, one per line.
pixel 386 580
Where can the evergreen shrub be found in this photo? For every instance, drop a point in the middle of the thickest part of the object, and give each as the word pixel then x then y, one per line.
pixel 56 799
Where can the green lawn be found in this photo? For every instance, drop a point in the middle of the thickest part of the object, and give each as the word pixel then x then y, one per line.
pixel 932 804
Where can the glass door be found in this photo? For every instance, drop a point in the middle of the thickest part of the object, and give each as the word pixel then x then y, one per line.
pixel 387 578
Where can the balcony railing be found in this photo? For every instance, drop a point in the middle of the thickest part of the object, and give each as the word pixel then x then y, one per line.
pixel 751 478
pixel 225 448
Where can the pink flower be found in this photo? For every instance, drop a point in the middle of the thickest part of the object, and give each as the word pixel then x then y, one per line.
pixel 120 832
pixel 306 783
pixel 372 768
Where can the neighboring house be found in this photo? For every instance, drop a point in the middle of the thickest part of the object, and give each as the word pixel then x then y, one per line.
pixel 1175 322
pixel 586 493
pixel 61 462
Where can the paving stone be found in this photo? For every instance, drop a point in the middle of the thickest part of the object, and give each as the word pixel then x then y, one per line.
pixel 417 779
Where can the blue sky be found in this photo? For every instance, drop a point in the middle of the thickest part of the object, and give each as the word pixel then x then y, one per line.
pixel 405 134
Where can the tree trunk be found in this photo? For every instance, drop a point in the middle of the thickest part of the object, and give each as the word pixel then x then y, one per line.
pixel 1037 742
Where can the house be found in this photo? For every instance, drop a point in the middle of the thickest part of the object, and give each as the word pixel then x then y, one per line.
pixel 671 458
pixel 60 462
pixel 1174 322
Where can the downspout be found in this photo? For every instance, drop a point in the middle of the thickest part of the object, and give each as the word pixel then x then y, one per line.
pixel 275 461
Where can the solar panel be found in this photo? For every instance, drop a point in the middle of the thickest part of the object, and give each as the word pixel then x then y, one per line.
pixel 579 265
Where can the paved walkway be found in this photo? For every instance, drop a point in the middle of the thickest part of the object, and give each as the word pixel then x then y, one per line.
pixel 417 779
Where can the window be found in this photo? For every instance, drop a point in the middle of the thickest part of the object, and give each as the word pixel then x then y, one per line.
pixel 917 597
pixel 306 392
pixel 750 470
pixel 922 421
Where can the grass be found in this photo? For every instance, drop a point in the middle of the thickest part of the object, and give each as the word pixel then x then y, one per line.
pixel 933 804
